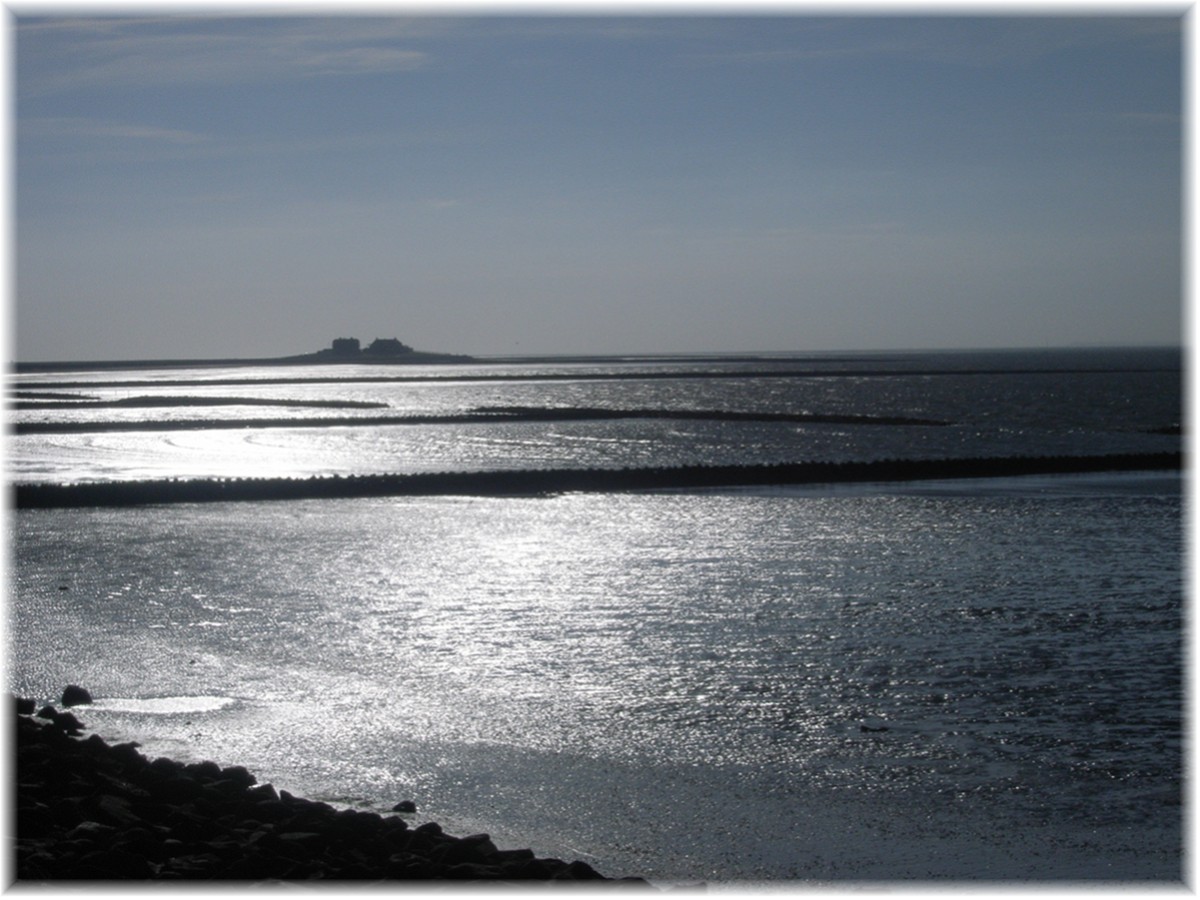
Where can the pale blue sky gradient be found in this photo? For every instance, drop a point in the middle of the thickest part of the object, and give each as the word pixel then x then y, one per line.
pixel 232 187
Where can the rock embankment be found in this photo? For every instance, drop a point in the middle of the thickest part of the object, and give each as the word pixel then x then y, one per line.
pixel 86 809
pixel 538 482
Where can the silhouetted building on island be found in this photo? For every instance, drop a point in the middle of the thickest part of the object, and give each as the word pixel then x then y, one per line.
pixel 387 347
pixel 350 347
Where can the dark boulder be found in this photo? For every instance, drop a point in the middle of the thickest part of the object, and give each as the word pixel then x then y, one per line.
pixel 68 723
pixel 115 810
pixel 535 869
pixel 74 695
pixel 260 792
pixel 203 771
pixel 111 863
pixel 272 810
pixel 475 849
pixel 62 721
pixel 35 820
pixel 578 870
pixel 167 768
pixel 91 832
pixel 240 775
pixel 470 872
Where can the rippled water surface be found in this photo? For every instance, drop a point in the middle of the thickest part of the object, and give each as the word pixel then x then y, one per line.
pixel 991 404
pixel 959 672
pixel 960 679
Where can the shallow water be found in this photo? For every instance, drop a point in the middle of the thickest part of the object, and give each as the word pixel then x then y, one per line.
pixel 674 685
pixel 995 404
pixel 976 679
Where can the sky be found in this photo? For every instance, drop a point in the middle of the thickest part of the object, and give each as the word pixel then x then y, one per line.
pixel 215 185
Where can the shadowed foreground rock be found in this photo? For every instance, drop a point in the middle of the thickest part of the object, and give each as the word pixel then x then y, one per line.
pixel 89 810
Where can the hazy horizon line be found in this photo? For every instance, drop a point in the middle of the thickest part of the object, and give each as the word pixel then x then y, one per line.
pixel 615 355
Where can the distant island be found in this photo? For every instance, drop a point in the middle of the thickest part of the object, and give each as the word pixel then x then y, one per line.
pixel 386 351
pixel 380 350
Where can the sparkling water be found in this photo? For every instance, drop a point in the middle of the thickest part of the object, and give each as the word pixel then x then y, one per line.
pixel 971 680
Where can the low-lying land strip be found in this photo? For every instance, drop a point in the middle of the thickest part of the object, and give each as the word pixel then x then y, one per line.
pixel 49 401
pixel 460 374
pixel 556 481
pixel 489 414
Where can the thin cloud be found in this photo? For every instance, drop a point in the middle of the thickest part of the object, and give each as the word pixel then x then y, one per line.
pixel 59 139
pixel 85 129
pixel 360 60
pixel 56 55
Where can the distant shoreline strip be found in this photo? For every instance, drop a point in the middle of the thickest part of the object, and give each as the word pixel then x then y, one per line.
pixel 485 415
pixel 559 481
pixel 638 375
pixel 44 401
